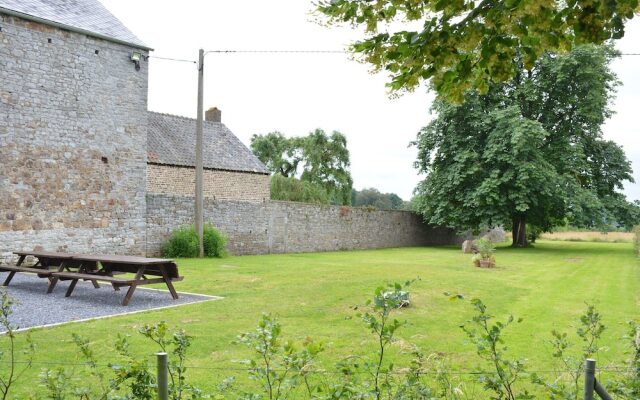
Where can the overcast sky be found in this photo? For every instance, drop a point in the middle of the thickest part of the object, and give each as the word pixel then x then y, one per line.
pixel 296 93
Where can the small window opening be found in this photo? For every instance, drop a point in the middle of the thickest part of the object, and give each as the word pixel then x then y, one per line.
pixel 105 160
pixel 97 51
pixel 49 40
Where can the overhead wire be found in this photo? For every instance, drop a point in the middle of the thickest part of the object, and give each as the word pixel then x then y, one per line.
pixel 173 59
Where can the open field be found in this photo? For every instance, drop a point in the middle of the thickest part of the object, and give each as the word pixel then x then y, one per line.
pixel 313 294
pixel 613 237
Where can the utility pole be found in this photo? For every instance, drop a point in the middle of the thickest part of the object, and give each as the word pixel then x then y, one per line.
pixel 199 168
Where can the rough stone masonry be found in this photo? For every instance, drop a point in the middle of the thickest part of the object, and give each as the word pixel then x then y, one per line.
pixel 73 170
pixel 73 141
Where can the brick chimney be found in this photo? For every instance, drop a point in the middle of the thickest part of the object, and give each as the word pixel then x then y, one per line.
pixel 213 115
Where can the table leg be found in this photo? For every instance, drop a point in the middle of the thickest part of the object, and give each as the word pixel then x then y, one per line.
pixel 11 275
pixel 129 294
pixel 54 280
pixel 71 287
pixel 167 280
pixel 20 260
pixel 83 269
pixel 132 288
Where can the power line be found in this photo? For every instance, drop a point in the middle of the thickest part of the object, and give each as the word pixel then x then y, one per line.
pixel 278 51
pixel 174 59
pixel 284 52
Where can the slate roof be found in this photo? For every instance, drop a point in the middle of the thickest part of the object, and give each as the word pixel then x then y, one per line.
pixel 87 16
pixel 171 140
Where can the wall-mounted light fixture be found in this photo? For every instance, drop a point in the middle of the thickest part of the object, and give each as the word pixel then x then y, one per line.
pixel 135 58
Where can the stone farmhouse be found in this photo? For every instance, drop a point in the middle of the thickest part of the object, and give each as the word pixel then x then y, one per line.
pixel 85 167
pixel 231 171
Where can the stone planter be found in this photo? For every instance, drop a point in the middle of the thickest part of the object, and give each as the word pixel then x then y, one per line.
pixel 487 263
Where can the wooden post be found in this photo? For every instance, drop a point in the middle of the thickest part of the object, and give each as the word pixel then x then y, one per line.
pixel 199 167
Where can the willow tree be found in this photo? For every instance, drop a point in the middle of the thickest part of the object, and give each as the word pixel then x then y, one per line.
pixel 319 158
pixel 529 151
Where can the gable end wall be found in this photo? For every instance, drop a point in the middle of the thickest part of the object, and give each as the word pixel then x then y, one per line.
pixel 72 142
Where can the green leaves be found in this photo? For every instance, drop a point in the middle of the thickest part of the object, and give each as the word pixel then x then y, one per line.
pixel 527 150
pixel 321 160
pixel 484 35
pixel 16 367
pixel 279 367
pixel 487 336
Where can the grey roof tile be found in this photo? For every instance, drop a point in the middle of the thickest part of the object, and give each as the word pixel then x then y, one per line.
pixel 171 140
pixel 86 15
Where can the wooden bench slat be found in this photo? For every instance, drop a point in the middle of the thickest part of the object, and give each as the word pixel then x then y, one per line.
pixel 40 271
pixel 107 278
pixel 91 277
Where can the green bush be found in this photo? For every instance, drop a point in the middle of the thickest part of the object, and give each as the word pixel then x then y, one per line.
pixel 293 189
pixel 485 247
pixel 184 243
pixel 636 239
pixel 214 242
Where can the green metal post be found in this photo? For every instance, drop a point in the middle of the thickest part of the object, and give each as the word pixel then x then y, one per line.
pixel 589 378
pixel 163 378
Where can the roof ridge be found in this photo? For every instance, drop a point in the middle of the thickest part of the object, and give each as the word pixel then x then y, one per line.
pixel 183 117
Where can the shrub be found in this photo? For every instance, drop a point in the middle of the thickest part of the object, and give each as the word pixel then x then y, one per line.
pixel 293 189
pixel 184 243
pixel 214 242
pixel 485 247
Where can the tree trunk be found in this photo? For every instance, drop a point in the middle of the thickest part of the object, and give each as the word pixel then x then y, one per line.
pixel 519 232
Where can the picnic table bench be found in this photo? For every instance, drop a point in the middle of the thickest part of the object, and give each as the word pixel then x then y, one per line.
pixel 104 268
pixel 46 260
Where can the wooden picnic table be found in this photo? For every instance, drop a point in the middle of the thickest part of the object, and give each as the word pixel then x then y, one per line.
pixel 46 260
pixel 104 267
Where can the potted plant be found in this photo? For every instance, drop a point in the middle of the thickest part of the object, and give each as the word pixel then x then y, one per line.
pixel 484 258
pixel 475 259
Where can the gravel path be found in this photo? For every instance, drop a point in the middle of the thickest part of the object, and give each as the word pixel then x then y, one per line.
pixel 37 308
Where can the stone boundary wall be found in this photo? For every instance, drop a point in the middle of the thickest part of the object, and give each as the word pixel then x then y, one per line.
pixel 288 227
pixel 229 185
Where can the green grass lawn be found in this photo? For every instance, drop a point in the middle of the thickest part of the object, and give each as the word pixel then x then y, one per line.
pixel 313 295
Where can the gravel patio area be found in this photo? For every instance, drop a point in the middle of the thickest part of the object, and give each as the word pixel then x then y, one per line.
pixel 37 308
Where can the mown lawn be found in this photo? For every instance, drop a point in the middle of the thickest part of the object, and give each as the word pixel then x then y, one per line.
pixel 313 295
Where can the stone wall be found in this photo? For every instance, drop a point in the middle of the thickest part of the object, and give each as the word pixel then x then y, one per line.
pixel 72 141
pixel 224 185
pixel 287 227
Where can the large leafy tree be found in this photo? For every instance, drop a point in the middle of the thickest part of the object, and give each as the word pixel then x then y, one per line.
pixel 528 151
pixel 460 44
pixel 318 158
